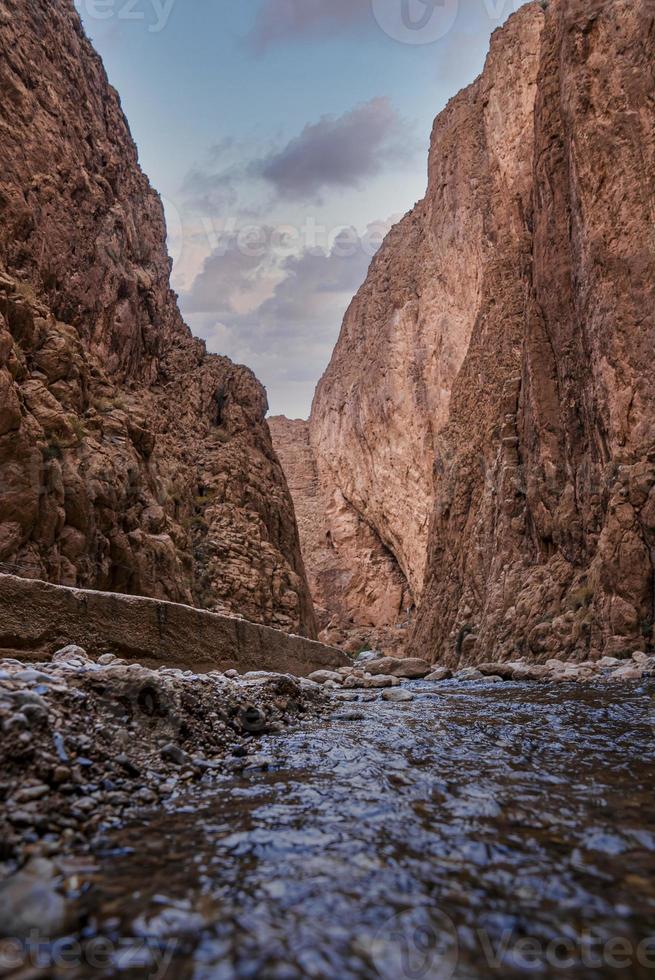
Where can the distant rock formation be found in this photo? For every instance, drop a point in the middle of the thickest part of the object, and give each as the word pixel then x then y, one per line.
pixel 489 412
pixel 355 582
pixel 130 460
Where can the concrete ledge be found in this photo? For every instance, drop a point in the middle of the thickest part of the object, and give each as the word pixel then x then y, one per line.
pixel 37 618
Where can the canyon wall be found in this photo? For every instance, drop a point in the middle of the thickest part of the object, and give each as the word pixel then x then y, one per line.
pixel 488 410
pixel 360 596
pixel 543 528
pixel 386 394
pixel 130 459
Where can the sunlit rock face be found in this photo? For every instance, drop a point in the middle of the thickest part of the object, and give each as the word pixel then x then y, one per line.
pixel 130 459
pixel 488 411
pixel 355 581
pixel 385 398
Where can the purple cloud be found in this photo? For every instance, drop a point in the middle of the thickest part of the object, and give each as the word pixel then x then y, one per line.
pixel 339 151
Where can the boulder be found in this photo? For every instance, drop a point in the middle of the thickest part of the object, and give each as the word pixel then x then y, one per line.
pixel 397 695
pixel 609 662
pixel 506 671
pixel 71 654
pixel 529 672
pixel 370 682
pixel 631 672
pixel 410 668
pixel 381 680
pixel 468 674
pixel 323 676
pixel 367 655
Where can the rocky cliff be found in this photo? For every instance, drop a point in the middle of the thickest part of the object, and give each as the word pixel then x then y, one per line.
pixel 491 381
pixel 360 595
pixel 130 460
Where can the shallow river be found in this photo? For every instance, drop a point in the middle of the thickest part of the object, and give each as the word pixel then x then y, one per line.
pixel 478 831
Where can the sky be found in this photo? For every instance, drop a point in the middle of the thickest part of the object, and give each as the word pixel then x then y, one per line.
pixel 285 137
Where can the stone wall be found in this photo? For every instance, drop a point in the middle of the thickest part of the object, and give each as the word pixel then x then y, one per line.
pixel 37 618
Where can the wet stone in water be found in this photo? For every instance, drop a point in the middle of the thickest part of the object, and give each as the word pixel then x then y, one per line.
pixel 429 842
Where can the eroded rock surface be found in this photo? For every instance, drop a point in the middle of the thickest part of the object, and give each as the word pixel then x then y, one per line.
pixel 130 460
pixel 386 393
pixel 360 595
pixel 542 536
pixel 492 377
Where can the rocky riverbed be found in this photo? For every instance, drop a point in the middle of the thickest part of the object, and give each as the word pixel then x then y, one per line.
pixel 373 670
pixel 461 828
pixel 86 744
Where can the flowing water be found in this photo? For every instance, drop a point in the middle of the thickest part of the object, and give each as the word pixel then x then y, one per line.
pixel 478 831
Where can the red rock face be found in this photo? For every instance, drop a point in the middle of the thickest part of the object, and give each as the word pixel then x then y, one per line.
pixel 493 374
pixel 542 535
pixel 385 397
pixel 359 593
pixel 130 459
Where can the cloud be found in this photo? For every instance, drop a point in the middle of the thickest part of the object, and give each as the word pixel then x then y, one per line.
pixel 287 336
pixel 281 20
pixel 239 274
pixel 211 193
pixel 339 151
pixel 334 153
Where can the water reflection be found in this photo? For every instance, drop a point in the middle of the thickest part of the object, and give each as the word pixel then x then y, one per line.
pixel 478 831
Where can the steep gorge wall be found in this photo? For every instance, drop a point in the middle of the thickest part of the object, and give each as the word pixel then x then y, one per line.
pixel 130 460
pixel 543 528
pixel 386 394
pixel 355 582
pixel 488 409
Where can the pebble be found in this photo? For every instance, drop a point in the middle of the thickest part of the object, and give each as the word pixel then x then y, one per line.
pixel 173 753
pixel 252 719
pixel 71 654
pixel 60 747
pixel 128 765
pixel 145 796
pixel 29 793
pixel 397 694
pixel 30 903
pixel 85 804
pixel 323 676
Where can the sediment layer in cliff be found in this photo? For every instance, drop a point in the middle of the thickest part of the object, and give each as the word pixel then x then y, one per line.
pixel 488 409
pixel 130 459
